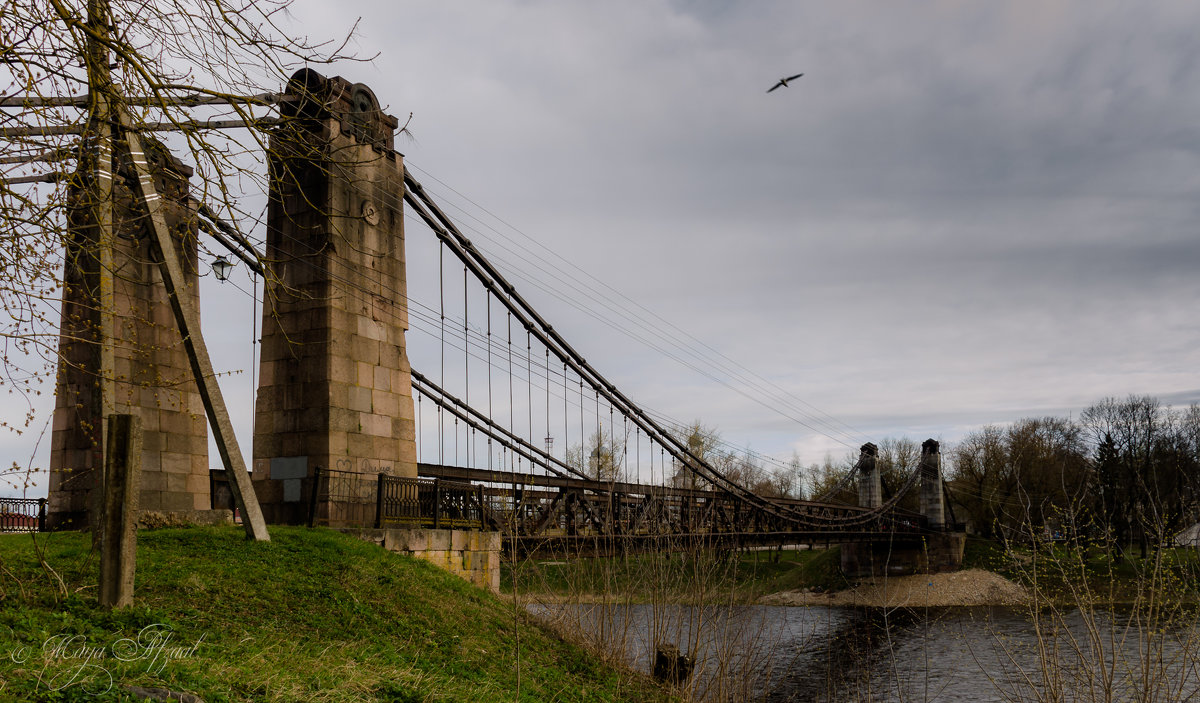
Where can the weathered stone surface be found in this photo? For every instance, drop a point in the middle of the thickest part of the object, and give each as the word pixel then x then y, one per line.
pixel 150 364
pixel 932 499
pixel 870 487
pixel 473 556
pixel 931 553
pixel 151 519
pixel 335 377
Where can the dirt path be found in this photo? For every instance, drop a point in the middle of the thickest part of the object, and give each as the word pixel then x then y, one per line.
pixel 970 587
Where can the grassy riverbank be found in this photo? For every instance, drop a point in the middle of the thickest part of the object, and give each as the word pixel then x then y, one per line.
pixel 311 616
pixel 1052 574
pixel 1092 574
pixel 678 577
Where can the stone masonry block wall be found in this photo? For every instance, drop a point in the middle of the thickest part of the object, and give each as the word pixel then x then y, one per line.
pixel 335 389
pixel 152 375
pixel 474 556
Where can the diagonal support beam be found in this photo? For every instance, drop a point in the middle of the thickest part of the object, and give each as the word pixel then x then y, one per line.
pixel 187 318
pixel 550 512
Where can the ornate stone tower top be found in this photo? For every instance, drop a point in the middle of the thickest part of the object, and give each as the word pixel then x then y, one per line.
pixel 351 108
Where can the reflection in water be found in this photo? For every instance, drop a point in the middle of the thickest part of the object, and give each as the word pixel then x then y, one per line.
pixel 777 654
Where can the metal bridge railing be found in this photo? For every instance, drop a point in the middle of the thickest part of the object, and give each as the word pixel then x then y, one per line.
pixel 429 502
pixel 575 509
pixel 351 499
pixel 22 514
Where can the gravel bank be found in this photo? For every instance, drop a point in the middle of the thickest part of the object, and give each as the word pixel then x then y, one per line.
pixel 970 587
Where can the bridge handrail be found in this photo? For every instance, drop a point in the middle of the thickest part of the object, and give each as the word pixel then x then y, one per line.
pixel 22 514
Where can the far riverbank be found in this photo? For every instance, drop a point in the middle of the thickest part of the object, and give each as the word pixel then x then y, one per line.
pixel 1054 573
pixel 971 587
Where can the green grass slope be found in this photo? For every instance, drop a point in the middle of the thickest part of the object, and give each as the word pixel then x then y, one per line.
pixel 313 615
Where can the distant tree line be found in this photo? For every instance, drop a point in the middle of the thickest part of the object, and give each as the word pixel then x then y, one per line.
pixel 604 458
pixel 784 480
pixel 896 460
pixel 1128 469
pixel 1125 469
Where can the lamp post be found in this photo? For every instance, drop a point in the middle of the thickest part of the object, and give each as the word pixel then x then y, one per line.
pixel 222 267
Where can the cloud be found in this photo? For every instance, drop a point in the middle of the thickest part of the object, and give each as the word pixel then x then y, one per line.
pixel 963 213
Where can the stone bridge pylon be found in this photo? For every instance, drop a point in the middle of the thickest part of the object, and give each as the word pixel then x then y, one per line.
pixel 335 390
pixel 148 374
pixel 935 549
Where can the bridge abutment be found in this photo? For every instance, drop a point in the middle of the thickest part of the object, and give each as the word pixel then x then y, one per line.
pixel 901 556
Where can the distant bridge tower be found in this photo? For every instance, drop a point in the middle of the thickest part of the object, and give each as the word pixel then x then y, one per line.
pixel 934 549
pixel 335 389
pixel 932 505
pixel 870 488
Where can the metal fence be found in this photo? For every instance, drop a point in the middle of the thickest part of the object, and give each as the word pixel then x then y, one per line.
pixel 352 499
pixel 429 502
pixel 342 498
pixel 22 514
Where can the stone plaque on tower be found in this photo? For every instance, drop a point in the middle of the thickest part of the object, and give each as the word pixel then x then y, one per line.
pixel 335 390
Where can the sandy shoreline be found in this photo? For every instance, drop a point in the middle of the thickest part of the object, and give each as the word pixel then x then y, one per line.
pixel 973 587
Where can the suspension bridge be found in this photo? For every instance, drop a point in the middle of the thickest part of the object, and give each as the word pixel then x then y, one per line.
pixel 510 429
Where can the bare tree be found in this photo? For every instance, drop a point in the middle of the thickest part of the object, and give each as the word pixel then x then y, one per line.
pixel 980 482
pixel 747 471
pixel 703 445
pixel 826 476
pixel 1145 467
pixel 71 72
pixel 1029 473
pixel 788 480
pixel 897 460
pixel 602 458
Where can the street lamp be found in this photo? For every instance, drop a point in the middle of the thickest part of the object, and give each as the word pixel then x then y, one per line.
pixel 222 267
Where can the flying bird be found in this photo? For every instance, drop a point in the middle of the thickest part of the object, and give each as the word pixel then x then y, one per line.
pixel 783 82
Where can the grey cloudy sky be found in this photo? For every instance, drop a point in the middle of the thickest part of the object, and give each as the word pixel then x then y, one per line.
pixel 963 213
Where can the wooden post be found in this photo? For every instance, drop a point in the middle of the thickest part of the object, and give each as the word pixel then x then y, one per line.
pixel 118 540
pixel 187 318
pixel 100 193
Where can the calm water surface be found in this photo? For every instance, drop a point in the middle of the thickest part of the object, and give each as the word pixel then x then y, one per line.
pixel 768 653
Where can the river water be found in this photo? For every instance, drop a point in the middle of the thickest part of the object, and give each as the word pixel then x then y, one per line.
pixel 775 653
